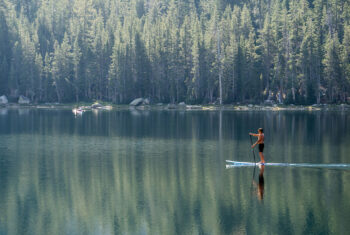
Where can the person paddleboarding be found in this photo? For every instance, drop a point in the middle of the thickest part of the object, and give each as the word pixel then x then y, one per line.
pixel 260 142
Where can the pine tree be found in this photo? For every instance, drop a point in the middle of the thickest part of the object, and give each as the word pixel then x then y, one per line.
pixel 193 84
pixel 114 74
pixel 39 71
pixel 346 61
pixel 173 51
pixel 332 68
pixel 266 43
pixel 76 58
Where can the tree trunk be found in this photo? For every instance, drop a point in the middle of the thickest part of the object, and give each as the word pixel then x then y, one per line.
pixel 40 88
pixel 293 89
pixel 318 86
pixel 233 84
pixel 76 94
pixel 57 92
pixel 220 68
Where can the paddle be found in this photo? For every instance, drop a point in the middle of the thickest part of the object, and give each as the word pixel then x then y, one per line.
pixel 251 142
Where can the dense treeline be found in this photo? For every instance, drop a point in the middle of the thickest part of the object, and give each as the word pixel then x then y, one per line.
pixel 295 51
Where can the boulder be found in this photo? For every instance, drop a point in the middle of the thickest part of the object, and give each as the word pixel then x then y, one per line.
pixel 244 108
pixel 211 108
pixel 171 106
pixel 194 107
pixel 269 102
pixel 145 101
pixel 96 105
pixel 3 100
pixel 23 100
pixel 137 102
pixel 344 106
pixel 181 105
pixel 266 108
pixel 107 107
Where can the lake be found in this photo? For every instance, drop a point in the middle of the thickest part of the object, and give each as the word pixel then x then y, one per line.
pixel 164 172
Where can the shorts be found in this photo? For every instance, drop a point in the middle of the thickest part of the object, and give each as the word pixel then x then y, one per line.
pixel 261 148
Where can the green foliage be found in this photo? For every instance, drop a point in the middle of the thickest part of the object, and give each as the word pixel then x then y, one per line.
pixel 173 51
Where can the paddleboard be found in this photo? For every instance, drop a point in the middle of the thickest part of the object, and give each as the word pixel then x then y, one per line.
pixel 231 164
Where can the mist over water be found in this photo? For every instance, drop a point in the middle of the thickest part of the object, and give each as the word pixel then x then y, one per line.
pixel 163 172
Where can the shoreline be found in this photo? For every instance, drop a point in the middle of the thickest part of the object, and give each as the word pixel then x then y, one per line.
pixel 228 107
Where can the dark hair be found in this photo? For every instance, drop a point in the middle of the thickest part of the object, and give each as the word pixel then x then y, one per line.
pixel 262 130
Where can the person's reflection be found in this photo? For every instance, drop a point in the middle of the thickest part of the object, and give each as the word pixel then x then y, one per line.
pixel 260 185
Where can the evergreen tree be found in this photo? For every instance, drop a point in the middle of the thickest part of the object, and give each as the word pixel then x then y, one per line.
pixel 346 60
pixel 332 69
pixel 293 51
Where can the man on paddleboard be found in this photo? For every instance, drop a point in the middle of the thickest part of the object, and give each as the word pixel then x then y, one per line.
pixel 260 142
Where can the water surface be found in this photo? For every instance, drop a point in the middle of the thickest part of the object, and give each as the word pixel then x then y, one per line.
pixel 163 172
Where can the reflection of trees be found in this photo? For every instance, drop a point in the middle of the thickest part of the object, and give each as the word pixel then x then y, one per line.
pixel 284 127
pixel 85 184
pixel 139 186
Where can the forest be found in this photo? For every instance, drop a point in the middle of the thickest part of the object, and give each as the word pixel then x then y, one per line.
pixel 170 51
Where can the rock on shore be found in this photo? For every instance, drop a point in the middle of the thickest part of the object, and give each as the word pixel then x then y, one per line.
pixel 140 101
pixel 23 100
pixel 3 100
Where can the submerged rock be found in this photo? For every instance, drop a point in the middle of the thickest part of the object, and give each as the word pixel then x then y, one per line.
pixel 96 105
pixel 23 100
pixel 3 99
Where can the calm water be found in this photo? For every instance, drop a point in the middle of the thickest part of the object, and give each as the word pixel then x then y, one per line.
pixel 163 172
